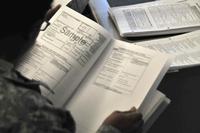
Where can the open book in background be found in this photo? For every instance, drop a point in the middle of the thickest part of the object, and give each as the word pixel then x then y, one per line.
pixel 156 18
pixel 93 74
pixel 185 48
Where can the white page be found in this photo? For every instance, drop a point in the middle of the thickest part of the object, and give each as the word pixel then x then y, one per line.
pixel 64 53
pixel 151 104
pixel 122 78
pixel 156 111
pixel 152 110
pixel 185 48
pixel 159 17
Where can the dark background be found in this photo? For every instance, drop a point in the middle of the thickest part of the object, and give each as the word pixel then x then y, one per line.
pixel 183 114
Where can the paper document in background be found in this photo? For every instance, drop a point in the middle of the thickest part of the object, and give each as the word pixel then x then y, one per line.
pixel 185 48
pixel 157 18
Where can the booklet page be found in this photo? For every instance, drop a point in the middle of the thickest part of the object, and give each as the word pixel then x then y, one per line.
pixel 122 78
pixel 64 53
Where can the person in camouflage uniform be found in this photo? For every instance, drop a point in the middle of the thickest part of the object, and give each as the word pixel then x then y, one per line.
pixel 23 109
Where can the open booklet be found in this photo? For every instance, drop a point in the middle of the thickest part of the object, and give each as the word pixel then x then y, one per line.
pixel 156 18
pixel 91 73
pixel 185 48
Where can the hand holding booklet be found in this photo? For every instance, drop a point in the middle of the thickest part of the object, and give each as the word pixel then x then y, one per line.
pixel 91 73
pixel 156 18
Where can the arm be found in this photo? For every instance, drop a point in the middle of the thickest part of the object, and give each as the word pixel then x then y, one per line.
pixel 108 129
pixel 23 109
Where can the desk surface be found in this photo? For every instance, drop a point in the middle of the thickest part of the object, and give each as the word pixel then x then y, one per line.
pixel 183 88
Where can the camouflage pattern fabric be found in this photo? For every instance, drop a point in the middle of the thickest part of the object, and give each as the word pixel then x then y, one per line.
pixel 107 129
pixel 24 110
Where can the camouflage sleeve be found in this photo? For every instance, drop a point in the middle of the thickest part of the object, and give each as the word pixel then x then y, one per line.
pixel 108 129
pixel 24 110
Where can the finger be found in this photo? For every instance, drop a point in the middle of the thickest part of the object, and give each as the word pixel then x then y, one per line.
pixel 134 116
pixel 133 109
